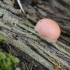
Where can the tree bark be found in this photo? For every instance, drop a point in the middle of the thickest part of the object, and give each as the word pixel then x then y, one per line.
pixel 18 31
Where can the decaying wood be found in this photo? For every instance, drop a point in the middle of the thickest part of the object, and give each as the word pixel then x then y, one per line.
pixel 18 30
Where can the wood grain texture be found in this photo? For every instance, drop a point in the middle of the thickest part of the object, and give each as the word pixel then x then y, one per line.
pixel 18 30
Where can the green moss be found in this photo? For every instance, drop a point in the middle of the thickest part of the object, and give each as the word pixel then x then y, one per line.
pixel 1 38
pixel 8 62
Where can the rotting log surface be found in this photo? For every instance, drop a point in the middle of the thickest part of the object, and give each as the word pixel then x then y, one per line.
pixel 18 30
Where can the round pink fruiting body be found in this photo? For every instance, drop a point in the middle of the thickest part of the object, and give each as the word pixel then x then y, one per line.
pixel 48 28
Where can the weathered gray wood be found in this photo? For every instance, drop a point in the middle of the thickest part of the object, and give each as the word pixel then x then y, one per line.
pixel 18 30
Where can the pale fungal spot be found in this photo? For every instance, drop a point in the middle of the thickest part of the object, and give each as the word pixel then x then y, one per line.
pixel 48 28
